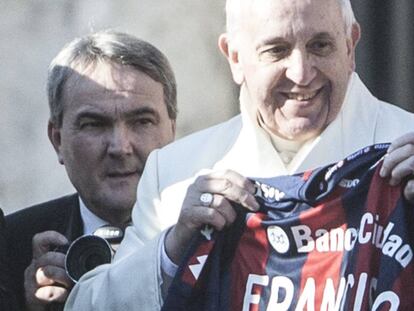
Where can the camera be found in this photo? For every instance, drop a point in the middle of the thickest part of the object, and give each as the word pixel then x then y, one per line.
pixel 86 253
pixel 89 251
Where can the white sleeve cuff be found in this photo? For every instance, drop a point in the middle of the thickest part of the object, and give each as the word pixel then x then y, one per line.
pixel 167 266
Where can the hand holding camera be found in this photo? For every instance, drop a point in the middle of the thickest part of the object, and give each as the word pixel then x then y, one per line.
pixel 58 264
pixel 45 278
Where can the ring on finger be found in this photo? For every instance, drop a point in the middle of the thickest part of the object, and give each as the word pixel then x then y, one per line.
pixel 206 198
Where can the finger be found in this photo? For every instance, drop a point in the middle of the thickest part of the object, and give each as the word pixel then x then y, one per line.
pixel 42 279
pixel 52 293
pixel 34 291
pixel 44 241
pixel 394 158
pixel 401 141
pixel 409 191
pixel 222 206
pixel 48 269
pixel 30 285
pixel 49 275
pixel 50 259
pixel 401 171
pixel 193 218
pixel 235 179
pixel 231 185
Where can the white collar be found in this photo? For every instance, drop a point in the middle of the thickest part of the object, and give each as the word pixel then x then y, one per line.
pixel 253 154
pixel 90 221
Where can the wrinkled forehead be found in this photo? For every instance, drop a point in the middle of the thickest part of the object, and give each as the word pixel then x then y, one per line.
pixel 243 14
pixel 110 87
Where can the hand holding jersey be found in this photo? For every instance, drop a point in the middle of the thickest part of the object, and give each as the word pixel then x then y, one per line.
pixel 399 164
pixel 226 187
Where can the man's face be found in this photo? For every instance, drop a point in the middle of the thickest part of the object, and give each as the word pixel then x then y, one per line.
pixel 114 116
pixel 295 60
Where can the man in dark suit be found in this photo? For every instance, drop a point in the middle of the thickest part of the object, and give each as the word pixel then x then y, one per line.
pixel 112 100
pixel 61 215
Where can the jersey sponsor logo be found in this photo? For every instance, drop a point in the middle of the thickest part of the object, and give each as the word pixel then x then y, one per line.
pixel 268 193
pixel 333 169
pixel 278 239
pixel 339 239
pixel 381 146
pixel 358 154
pixel 348 183
pixel 332 298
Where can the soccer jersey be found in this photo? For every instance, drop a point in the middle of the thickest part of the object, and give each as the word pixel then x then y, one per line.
pixel 335 238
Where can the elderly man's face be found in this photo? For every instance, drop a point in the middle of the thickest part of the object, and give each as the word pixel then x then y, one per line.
pixel 295 60
pixel 114 116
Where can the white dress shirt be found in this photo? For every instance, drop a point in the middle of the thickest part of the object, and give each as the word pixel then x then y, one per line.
pixel 90 221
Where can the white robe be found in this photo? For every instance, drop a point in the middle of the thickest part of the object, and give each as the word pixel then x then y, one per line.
pixel 132 281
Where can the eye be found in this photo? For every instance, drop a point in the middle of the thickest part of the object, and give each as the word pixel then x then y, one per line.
pixel 90 124
pixel 321 47
pixel 144 121
pixel 275 52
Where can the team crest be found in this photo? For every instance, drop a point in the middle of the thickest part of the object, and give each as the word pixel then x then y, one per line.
pixel 278 239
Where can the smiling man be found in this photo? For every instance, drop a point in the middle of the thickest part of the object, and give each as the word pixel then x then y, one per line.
pixel 112 101
pixel 295 64
pixel 302 106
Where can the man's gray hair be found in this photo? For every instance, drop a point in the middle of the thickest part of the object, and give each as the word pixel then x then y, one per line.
pixel 233 15
pixel 348 15
pixel 108 46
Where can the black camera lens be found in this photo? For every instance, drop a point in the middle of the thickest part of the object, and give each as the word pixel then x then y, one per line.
pixel 85 254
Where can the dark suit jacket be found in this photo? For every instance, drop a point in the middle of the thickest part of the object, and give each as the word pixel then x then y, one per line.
pixel 7 295
pixel 61 215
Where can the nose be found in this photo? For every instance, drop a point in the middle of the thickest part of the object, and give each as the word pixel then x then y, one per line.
pixel 120 141
pixel 300 68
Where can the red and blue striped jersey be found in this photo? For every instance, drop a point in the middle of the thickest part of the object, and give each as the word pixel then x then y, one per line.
pixel 335 238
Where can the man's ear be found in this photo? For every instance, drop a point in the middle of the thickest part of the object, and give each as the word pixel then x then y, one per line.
pixel 232 55
pixel 55 138
pixel 353 42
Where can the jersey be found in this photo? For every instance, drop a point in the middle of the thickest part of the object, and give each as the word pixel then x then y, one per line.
pixel 334 238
